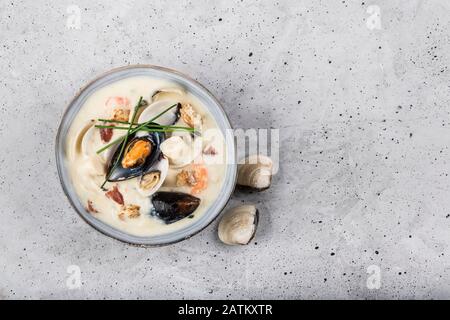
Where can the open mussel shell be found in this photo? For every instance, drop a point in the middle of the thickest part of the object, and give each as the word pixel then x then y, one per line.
pixel 173 206
pixel 238 225
pixel 155 108
pixel 119 172
pixel 154 177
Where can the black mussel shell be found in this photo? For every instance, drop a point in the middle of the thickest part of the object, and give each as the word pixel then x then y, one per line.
pixel 173 206
pixel 120 173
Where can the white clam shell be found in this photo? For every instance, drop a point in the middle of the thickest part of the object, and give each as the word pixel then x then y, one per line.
pixel 162 165
pixel 161 100
pixel 181 149
pixel 86 141
pixel 90 142
pixel 238 225
pixel 255 172
pixel 154 109
pixel 168 93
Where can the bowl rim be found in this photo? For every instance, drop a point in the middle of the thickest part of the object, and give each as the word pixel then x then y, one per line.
pixel 59 161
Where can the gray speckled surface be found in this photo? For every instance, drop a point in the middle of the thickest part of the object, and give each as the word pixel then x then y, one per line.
pixel 363 110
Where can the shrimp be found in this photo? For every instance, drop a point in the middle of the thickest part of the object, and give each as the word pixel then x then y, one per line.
pixel 202 179
pixel 196 176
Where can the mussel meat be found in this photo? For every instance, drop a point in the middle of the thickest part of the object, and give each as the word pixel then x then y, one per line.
pixel 136 153
pixel 173 206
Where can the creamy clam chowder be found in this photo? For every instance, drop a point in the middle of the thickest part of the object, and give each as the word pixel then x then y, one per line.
pixel 149 176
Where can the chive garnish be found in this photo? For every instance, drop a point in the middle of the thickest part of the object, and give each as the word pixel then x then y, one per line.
pixel 133 130
pixel 147 128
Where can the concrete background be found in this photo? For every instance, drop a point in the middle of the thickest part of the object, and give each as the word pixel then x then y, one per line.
pixel 362 104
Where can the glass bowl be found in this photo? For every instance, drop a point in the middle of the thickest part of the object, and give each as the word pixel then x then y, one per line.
pixel 213 107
